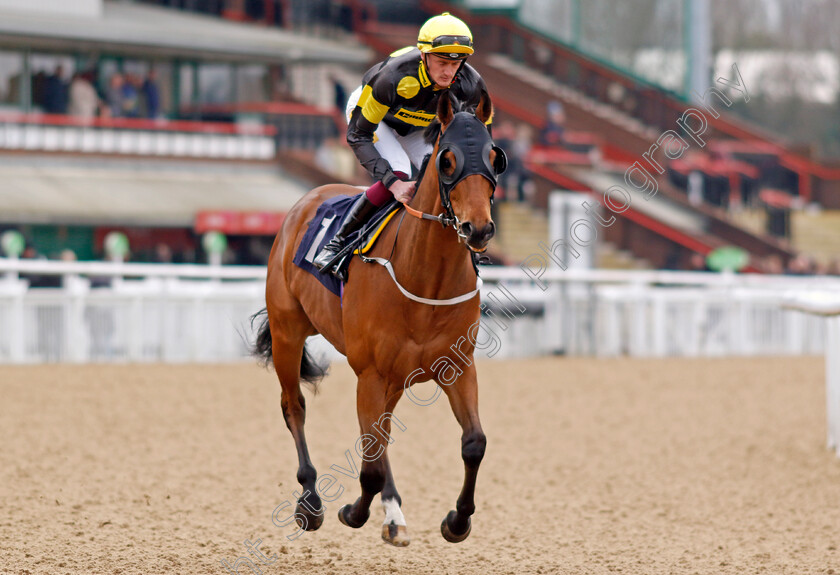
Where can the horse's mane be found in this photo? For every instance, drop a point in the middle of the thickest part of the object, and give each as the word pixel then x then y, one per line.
pixel 423 167
pixel 432 132
pixel 430 136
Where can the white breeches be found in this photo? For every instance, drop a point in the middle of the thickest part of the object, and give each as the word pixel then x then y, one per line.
pixel 400 151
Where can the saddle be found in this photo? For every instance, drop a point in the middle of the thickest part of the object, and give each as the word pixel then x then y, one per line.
pixel 323 227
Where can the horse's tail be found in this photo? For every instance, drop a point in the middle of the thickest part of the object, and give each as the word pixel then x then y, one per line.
pixel 311 372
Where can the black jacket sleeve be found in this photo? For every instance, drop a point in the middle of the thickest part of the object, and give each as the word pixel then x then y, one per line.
pixel 360 137
pixel 364 120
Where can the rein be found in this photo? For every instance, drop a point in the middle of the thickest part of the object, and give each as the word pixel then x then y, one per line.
pixel 443 219
pixel 451 301
pixel 386 263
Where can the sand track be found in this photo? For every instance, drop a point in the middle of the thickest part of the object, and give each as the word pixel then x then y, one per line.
pixel 676 466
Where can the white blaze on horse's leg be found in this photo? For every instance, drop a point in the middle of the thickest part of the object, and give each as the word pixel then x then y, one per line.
pixel 392 512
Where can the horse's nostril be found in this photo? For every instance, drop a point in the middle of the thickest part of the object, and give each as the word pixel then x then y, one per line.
pixel 467 229
pixel 490 230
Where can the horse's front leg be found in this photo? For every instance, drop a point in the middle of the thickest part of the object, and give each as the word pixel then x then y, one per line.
pixel 463 397
pixel 370 446
pixel 394 529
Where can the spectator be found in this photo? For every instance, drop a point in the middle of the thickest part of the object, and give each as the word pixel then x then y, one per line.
pixel 697 263
pixel 163 254
pixel 801 265
pixel 552 132
pixel 114 95
pixel 130 97
pixel 83 98
pixel 340 94
pixel 516 142
pixel 773 265
pixel 151 95
pixel 521 148
pixel 39 85
pixel 55 93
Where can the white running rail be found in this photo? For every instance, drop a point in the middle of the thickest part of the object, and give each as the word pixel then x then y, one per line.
pixel 827 305
pixel 195 313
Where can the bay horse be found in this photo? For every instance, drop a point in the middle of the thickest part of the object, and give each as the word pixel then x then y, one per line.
pixel 385 335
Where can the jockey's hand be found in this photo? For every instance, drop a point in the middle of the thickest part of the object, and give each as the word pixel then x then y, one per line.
pixel 403 191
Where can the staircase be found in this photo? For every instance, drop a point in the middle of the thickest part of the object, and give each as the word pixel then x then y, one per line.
pixel 609 257
pixel 521 229
pixel 752 220
pixel 817 234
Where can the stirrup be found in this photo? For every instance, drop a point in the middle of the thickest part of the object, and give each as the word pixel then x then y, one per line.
pixel 325 258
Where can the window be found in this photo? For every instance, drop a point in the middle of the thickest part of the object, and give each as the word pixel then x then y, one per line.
pixel 215 84
pixel 251 83
pixel 186 86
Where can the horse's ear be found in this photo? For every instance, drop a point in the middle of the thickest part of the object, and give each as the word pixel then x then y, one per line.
pixel 444 109
pixel 484 111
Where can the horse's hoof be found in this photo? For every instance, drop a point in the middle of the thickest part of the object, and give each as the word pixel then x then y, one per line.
pixel 344 517
pixel 448 534
pixel 307 520
pixel 396 535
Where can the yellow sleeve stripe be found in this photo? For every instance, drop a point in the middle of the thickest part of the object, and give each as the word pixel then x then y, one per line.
pixel 372 110
pixel 363 97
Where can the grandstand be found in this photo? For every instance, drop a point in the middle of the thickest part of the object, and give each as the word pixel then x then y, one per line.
pixel 228 96
pixel 246 99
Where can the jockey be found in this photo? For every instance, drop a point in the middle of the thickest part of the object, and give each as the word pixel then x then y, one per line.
pixel 387 114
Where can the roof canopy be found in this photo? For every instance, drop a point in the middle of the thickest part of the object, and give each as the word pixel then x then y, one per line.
pixel 149 31
pixel 56 190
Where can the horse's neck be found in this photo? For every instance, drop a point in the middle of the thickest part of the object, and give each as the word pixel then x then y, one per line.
pixel 433 252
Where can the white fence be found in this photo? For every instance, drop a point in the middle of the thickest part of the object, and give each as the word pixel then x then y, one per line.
pixel 180 313
pixel 828 307
pixel 102 140
pixel 115 312
pixel 662 314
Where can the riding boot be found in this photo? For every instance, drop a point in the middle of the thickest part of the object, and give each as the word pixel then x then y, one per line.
pixel 358 215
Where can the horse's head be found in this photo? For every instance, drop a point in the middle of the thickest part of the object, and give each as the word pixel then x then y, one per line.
pixel 467 164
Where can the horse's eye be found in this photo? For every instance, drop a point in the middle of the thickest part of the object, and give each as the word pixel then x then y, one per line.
pixel 445 164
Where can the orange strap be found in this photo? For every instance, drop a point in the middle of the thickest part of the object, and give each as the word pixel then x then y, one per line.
pixel 413 212
pixel 441 219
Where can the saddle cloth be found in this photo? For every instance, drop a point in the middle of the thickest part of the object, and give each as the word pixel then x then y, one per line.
pixel 323 227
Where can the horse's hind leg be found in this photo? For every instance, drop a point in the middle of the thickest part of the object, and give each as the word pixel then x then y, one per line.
pixel 287 343
pixel 463 398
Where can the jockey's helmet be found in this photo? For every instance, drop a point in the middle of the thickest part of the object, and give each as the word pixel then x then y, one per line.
pixel 447 36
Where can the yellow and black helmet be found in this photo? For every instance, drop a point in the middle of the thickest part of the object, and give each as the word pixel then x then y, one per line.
pixel 446 36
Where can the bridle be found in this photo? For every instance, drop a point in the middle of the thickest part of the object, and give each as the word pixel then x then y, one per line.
pixel 470 144
pixel 469 141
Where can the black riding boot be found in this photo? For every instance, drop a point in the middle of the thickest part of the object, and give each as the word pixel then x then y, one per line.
pixel 354 219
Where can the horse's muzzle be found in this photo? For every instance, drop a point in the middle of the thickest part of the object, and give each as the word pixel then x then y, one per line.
pixel 477 238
